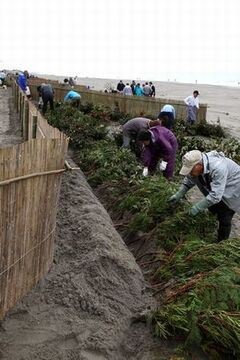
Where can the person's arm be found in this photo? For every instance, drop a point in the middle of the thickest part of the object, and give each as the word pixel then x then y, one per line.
pixel 197 104
pixel 175 198
pixel 187 100
pixel 188 182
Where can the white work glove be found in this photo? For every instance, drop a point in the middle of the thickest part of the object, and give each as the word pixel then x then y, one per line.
pixel 162 165
pixel 145 171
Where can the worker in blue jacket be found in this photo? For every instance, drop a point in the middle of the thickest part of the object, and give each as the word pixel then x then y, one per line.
pixel 22 81
pixel 73 98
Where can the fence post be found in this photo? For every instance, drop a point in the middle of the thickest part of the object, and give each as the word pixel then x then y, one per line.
pixel 21 108
pixel 25 119
pixel 17 99
pixel 34 127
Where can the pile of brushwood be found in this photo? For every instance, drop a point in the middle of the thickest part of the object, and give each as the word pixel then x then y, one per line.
pixel 195 279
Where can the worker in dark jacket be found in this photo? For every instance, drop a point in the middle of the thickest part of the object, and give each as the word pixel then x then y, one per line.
pixel 132 127
pixel 218 178
pixel 167 116
pixel 120 86
pixel 46 92
pixel 158 142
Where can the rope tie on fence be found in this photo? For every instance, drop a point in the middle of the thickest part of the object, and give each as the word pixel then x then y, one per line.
pixel 69 167
pixel 30 250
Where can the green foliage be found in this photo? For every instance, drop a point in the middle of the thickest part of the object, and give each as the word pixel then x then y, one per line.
pixel 182 128
pixel 81 129
pixel 207 314
pixel 105 162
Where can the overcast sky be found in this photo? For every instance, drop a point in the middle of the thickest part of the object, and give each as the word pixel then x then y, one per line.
pixel 150 39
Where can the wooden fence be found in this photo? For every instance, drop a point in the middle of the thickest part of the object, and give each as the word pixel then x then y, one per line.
pixel 134 105
pixel 30 177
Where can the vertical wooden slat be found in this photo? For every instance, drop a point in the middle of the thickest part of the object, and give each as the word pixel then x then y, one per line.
pixel 25 119
pixel 34 127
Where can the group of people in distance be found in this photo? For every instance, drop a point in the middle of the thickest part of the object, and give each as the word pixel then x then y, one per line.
pixel 146 89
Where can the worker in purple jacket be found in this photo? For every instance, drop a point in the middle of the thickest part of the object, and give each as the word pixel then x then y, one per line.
pixel 158 142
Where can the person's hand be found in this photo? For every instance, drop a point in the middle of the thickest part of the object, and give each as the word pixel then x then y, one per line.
pixel 194 210
pixel 202 205
pixel 174 199
pixel 162 165
pixel 145 171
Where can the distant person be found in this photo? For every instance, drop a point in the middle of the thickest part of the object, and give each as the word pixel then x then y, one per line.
pixel 133 86
pixel 192 107
pixel 71 82
pixel 158 142
pixel 46 93
pixel 138 90
pixel 2 78
pixel 147 89
pixel 120 86
pixel 168 114
pixel 23 84
pixel 132 127
pixel 127 90
pixel 73 98
pixel 153 90
pixel 22 81
pixel 66 81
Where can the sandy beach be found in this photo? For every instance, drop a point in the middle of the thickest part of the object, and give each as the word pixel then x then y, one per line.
pixel 223 101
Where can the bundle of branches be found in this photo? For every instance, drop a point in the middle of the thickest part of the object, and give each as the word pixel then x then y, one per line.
pixel 146 201
pixel 82 130
pixel 104 161
pixel 104 113
pixel 205 129
pixel 230 147
pixel 192 257
pixel 205 310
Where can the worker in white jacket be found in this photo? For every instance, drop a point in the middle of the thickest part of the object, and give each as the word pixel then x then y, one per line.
pixel 218 178
pixel 192 107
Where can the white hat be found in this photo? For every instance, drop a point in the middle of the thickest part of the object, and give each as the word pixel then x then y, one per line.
pixel 190 159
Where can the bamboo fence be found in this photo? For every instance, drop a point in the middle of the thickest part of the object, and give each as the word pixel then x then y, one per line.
pixel 30 178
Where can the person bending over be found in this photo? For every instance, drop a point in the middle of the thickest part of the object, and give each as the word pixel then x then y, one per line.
pixel 158 142
pixel 73 98
pixel 218 178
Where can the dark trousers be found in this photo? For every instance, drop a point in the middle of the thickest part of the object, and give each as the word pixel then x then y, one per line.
pixel 47 99
pixel 75 102
pixel 224 216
